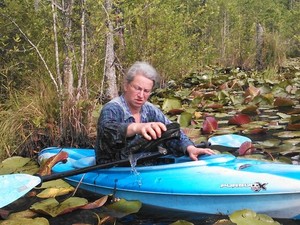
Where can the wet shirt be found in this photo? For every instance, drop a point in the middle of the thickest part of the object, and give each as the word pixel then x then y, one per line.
pixel 112 126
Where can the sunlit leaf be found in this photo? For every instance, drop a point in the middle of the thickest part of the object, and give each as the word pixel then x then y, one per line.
pixel 224 222
pixel 23 214
pixel 26 221
pixel 181 222
pixel 55 191
pixel 18 164
pixel 185 119
pixel 197 115
pixel 15 161
pixel 249 217
pixel 53 208
pixel 170 104
pixel 59 183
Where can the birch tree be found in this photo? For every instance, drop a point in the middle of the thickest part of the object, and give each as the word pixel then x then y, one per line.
pixel 109 67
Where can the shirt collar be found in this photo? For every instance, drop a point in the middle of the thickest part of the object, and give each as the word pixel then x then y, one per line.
pixel 127 112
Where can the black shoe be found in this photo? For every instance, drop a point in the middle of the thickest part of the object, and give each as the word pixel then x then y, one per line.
pixel 172 132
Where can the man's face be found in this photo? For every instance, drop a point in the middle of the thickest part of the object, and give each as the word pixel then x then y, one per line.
pixel 138 91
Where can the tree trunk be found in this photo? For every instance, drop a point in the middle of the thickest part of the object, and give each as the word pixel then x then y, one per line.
pixel 82 85
pixel 259 46
pixel 109 67
pixel 67 66
pixel 224 36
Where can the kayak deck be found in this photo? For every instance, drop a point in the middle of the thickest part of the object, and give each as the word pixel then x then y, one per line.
pixel 218 184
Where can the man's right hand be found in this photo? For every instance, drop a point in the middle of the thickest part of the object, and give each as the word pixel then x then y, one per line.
pixel 149 131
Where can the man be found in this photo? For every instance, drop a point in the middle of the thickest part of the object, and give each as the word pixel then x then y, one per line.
pixel 129 123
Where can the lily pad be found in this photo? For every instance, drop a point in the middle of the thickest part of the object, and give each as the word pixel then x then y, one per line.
pixel 249 217
pixel 26 221
pixel 55 191
pixel 23 214
pixel 55 183
pixel 288 134
pixel 170 104
pixel 185 119
pixel 271 143
pixel 123 208
pixel 293 141
pixel 18 164
pixel 53 208
pixel 182 222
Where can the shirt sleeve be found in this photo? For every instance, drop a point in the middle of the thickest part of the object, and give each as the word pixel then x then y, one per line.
pixel 111 128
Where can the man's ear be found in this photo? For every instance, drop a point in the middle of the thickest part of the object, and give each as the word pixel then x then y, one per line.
pixel 125 86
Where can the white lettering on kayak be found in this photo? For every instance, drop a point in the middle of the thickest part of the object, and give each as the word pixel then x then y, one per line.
pixel 256 186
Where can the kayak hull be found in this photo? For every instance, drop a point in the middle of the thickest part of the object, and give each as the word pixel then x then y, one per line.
pixel 219 184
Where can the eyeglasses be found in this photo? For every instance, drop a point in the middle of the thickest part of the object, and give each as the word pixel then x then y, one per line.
pixel 138 89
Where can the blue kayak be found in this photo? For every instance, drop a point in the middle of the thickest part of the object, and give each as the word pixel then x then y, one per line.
pixel 217 184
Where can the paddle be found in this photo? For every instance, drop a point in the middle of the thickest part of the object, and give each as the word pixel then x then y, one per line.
pixel 14 186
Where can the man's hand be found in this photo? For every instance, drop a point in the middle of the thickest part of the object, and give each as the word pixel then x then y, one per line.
pixel 194 152
pixel 149 131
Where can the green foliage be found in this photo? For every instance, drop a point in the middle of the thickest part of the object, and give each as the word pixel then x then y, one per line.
pixel 178 37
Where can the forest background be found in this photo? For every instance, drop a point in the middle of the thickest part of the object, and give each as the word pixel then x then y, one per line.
pixel 62 59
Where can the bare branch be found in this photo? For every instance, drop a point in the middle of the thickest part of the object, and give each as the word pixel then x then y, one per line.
pixel 37 50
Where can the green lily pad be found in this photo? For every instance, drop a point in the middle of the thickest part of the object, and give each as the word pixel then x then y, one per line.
pixel 185 119
pixel 55 188
pixel 123 208
pixel 249 217
pixel 26 221
pixel 271 143
pixel 170 104
pixel 288 134
pixel 55 183
pixel 182 222
pixel 294 141
pixel 18 164
pixel 53 208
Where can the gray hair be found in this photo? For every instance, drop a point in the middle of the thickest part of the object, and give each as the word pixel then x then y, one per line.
pixel 144 69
